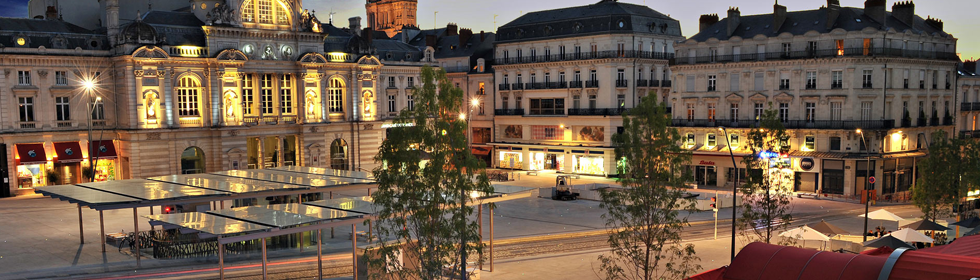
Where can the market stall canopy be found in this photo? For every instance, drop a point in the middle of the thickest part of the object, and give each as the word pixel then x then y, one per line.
pixel 910 235
pixel 805 233
pixel 882 214
pixel 926 225
pixel 972 222
pixel 888 241
pixel 828 229
pixel 975 231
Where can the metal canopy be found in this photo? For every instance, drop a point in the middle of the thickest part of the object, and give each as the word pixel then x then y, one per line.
pixel 363 204
pixel 83 196
pixel 327 172
pixel 224 183
pixel 265 216
pixel 207 223
pixel 287 177
pixel 150 190
pixel 312 211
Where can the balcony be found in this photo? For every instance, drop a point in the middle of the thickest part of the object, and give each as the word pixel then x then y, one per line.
pixel 584 56
pixel 596 112
pixel 575 84
pixel 508 112
pixel 28 125
pixel 251 121
pixel 665 83
pixel 934 121
pixel 969 107
pixel 592 84
pixel 622 83
pixel 642 83
pixel 270 120
pixel 811 86
pixel 797 124
pixel 517 86
pixel 556 85
pixel 948 120
pixel 836 85
pixel 99 123
pixel 290 119
pixel 534 86
pixel 809 54
pixel 968 134
pixel 457 69
pixel 183 122
pixel 921 122
pixel 63 124
pixel 504 87
pixel 906 122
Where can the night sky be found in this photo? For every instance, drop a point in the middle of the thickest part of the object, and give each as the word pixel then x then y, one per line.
pixel 958 15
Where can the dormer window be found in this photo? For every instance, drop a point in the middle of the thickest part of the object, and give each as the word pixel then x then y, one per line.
pixel 274 12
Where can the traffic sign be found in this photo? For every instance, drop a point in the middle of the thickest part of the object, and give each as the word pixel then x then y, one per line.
pixel 871 179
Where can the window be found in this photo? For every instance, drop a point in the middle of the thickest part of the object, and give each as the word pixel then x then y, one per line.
pixel 712 82
pixel 481 89
pixel 621 75
pixel 286 95
pixel 561 77
pixel 811 80
pixel 713 54
pixel 867 46
pixel 689 140
pixel 811 48
pixel 62 108
pixel 866 110
pixel 837 79
pixel 866 79
pixel 835 143
pixel 592 101
pixel 840 47
pixel 787 49
pixel 578 52
pixel 98 111
pixel 835 110
pixel 594 50
pixel 947 80
pixel 519 102
pixel 61 78
pixel 503 102
pixel 759 109
pixel 811 112
pixel 733 140
pixel 784 112
pixel 689 83
pixel 760 81
pixel 266 12
pixel 690 111
pixel 267 102
pixel 621 50
pixel 24 78
pixel 561 51
pixel 549 106
pixel 935 79
pixel 187 97
pixel 734 78
pixel 577 77
pixel 336 96
pixel 809 143
pixel 593 76
pixel 905 80
pixel 621 101
pixel 26 108
pixel 711 140
pixel 547 132
pixel 391 103
pixel 711 111
pixel 922 79
pixel 733 111
pixel 391 82
pixel 783 81
pixel 506 54
pixel 411 82
pixel 411 102
pixel 576 101
pixel 248 95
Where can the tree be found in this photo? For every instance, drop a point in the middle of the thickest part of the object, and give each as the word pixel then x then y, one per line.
pixel 767 191
pixel 642 219
pixel 942 184
pixel 422 203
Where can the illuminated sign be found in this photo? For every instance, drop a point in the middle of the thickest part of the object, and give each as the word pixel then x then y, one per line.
pixel 806 164
pixel 768 154
pixel 705 162
pixel 390 125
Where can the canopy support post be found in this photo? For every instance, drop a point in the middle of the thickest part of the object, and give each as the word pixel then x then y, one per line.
pixel 136 235
pixel 265 270
pixel 221 260
pixel 319 254
pixel 102 230
pixel 353 244
pixel 302 235
pixel 490 207
pixel 331 228
pixel 81 226
pixel 479 219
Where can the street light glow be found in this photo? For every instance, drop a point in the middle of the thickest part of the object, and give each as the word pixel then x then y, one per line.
pixel 88 84
pixel 462 117
pixel 858 131
pixel 475 102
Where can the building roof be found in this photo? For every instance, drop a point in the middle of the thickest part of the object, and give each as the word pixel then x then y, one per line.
pixel 52 34
pixel 606 16
pixel 179 28
pixel 801 22
pixel 40 25
pixel 172 18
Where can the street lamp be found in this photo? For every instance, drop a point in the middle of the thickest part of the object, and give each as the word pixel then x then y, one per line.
pixel 734 186
pixel 867 197
pixel 88 85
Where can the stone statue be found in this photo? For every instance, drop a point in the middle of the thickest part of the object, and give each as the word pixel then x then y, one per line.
pixel 309 22
pixel 222 15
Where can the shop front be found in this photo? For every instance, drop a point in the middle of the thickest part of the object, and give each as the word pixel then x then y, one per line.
pixel 589 162
pixel 716 170
pixel 806 177
pixel 510 158
pixel 104 157
pixel 833 177
pixel 547 159
pixel 67 163
pixel 32 167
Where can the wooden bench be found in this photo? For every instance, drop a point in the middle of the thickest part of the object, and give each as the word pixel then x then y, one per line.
pixel 532 173
pixel 808 195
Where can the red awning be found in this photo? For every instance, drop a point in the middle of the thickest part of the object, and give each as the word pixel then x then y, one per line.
pixel 714 274
pixel 964 246
pixel 68 152
pixel 31 154
pixel 480 151
pixel 104 149
pixel 765 261
pixel 925 265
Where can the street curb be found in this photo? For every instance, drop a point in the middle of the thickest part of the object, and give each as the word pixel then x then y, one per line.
pixel 571 235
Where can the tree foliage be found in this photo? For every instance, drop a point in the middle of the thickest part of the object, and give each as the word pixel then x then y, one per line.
pixel 642 219
pixel 425 179
pixel 768 189
pixel 950 170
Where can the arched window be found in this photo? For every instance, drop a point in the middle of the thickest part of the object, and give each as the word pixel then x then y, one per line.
pixel 192 161
pixel 336 95
pixel 338 155
pixel 188 89
pixel 266 12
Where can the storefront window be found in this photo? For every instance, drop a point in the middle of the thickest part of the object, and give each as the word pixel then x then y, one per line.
pixel 594 165
pixel 29 176
pixel 547 161
pixel 511 160
pixel 105 170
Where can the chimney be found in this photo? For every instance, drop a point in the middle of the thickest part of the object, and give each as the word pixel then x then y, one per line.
pixel 452 29
pixel 707 21
pixel 833 12
pixel 778 16
pixel 734 19
pixel 464 37
pixel 51 13
pixel 430 41
pixel 368 35
pixel 904 12
pixel 875 9
pixel 483 36
pixel 934 22
pixel 355 25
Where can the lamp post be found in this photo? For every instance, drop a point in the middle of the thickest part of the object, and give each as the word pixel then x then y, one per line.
pixel 867 198
pixel 89 87
pixel 734 186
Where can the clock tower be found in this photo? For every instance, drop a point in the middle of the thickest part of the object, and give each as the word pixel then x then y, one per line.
pixel 391 15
